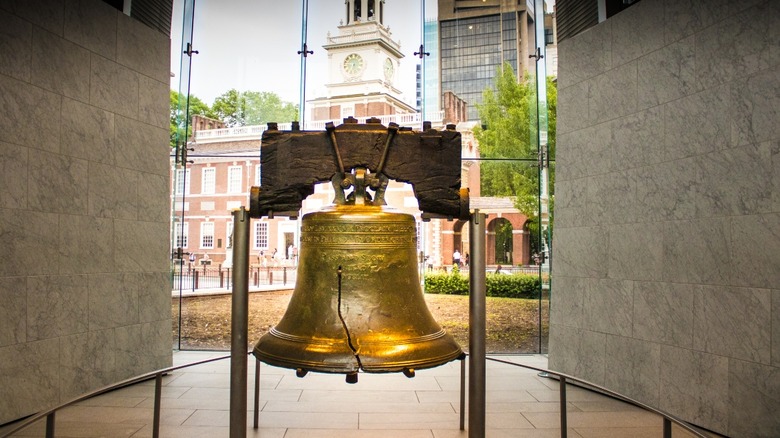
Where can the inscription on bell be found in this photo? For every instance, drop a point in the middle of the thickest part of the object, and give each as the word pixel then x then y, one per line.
pixel 392 228
pixel 340 239
pixel 375 234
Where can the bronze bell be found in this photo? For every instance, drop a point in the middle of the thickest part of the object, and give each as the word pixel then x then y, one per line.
pixel 357 303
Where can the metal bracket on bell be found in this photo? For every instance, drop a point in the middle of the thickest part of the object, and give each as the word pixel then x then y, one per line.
pixel 359 180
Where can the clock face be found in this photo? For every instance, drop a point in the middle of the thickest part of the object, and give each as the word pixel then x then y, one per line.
pixel 389 69
pixel 353 64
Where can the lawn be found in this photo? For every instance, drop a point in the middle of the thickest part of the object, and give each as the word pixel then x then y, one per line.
pixel 512 323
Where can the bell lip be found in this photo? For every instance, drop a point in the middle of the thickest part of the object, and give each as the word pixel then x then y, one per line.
pixel 310 366
pixel 344 361
pixel 383 368
pixel 398 367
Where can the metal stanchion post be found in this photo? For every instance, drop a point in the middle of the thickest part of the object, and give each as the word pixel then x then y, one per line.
pixel 50 425
pixel 256 408
pixel 157 407
pixel 239 324
pixel 463 393
pixel 477 326
pixel 562 391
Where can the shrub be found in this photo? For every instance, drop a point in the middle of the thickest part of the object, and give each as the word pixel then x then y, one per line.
pixel 497 285
pixel 512 286
pixel 452 283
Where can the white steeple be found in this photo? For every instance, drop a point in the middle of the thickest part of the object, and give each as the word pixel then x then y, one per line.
pixel 364 10
pixel 363 63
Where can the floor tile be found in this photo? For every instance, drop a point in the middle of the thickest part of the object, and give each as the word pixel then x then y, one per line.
pixel 346 433
pixel 406 421
pixel 84 429
pixel 196 403
pixel 360 396
pixel 375 406
pixel 544 420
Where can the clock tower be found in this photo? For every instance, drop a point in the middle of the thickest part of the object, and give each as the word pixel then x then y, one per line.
pixel 363 61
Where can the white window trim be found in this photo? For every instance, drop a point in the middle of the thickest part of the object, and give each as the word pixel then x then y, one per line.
pixel 182 233
pixel 183 183
pixel 203 234
pixel 230 187
pixel 255 242
pixel 211 188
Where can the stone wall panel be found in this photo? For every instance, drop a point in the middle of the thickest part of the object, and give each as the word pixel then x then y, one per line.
pixel 60 66
pixel 92 25
pixel 15 44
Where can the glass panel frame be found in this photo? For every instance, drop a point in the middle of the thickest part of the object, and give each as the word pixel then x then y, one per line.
pixel 494 39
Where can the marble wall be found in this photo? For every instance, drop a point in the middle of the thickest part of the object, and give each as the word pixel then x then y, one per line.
pixel 84 198
pixel 667 232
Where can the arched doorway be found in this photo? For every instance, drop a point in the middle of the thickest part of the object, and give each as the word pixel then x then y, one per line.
pixel 504 247
pixel 500 242
pixel 454 236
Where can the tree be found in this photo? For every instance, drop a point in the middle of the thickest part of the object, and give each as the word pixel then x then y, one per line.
pixel 508 131
pixel 178 121
pixel 237 108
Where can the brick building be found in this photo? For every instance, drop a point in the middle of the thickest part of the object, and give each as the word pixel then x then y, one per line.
pixel 226 164
pixel 363 63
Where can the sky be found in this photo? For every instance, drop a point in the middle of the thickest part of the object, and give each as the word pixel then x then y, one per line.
pixel 252 45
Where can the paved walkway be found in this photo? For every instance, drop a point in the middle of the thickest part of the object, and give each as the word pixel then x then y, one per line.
pixel 196 400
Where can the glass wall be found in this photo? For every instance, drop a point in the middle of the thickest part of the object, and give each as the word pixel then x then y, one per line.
pixel 489 65
pixel 242 76
pixel 253 62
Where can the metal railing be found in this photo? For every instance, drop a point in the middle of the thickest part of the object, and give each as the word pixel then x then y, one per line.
pixel 50 414
pixel 668 418
pixel 490 269
pixel 192 278
pixel 217 277
pixel 564 379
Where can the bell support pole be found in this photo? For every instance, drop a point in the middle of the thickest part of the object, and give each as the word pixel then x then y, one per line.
pixel 477 326
pixel 239 324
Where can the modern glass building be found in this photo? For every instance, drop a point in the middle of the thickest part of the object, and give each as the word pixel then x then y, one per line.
pixel 476 41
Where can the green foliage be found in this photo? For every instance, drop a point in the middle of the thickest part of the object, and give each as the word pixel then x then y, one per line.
pixel 177 110
pixel 503 241
pixel 508 116
pixel 232 107
pixel 237 108
pixel 512 286
pixel 452 283
pixel 497 285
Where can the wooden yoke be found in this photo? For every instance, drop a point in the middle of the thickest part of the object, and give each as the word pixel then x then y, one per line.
pixel 293 162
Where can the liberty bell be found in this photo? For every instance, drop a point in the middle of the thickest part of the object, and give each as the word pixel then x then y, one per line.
pixel 357 303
